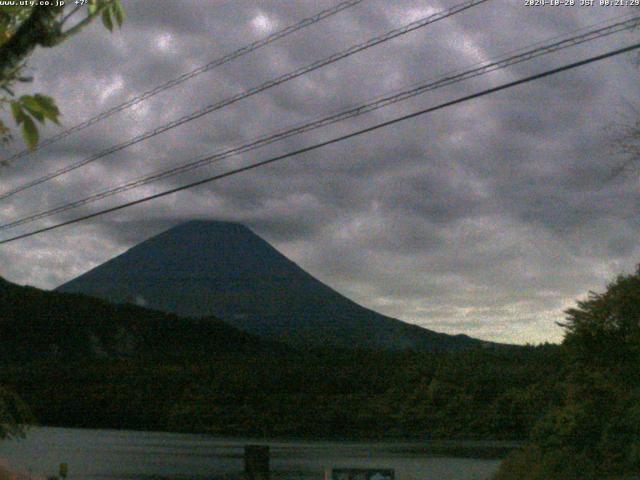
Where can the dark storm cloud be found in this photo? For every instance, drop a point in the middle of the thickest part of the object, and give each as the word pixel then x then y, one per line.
pixel 488 218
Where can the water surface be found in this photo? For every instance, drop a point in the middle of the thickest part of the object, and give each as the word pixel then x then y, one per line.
pixel 110 454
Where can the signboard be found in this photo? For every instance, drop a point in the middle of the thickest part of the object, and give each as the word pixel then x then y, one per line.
pixel 360 474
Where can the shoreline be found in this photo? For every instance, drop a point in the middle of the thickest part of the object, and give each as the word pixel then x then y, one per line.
pixel 462 440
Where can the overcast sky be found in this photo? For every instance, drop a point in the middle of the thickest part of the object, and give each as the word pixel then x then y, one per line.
pixel 488 218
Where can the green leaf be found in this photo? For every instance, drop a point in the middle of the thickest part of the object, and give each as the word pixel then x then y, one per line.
pixel 106 20
pixel 118 12
pixel 48 107
pixel 30 132
pixel 18 114
pixel 93 7
pixel 38 116
pixel 40 108
pixel 31 104
pixel 47 103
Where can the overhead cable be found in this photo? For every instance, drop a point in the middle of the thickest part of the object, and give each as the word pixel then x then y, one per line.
pixel 189 75
pixel 423 22
pixel 316 146
pixel 443 81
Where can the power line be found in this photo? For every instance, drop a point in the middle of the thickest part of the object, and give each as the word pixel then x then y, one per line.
pixel 381 102
pixel 423 22
pixel 189 75
pixel 331 141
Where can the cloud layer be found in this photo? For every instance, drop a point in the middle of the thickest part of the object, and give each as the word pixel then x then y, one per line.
pixel 488 218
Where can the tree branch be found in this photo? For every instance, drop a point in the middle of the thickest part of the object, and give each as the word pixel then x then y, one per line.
pixel 62 36
pixel 40 28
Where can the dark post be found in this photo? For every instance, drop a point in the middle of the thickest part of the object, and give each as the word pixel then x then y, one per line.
pixel 256 462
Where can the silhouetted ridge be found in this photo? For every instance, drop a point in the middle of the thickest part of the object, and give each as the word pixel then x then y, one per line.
pixel 203 268
pixel 36 324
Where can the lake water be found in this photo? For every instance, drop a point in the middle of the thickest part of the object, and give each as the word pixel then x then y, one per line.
pixel 107 454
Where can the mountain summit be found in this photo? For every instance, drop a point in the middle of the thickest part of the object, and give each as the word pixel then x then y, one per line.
pixel 203 268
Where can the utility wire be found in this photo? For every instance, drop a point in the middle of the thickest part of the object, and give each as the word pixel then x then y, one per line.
pixel 331 141
pixel 189 75
pixel 423 22
pixel 445 80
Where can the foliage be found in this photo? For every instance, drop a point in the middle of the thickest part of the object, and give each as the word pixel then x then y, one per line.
pixel 15 416
pixel 595 432
pixel 80 361
pixel 301 394
pixel 38 107
pixel 22 29
pixel 604 331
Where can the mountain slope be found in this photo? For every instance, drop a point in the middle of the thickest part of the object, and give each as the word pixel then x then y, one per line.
pixel 36 324
pixel 223 269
